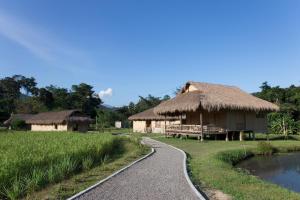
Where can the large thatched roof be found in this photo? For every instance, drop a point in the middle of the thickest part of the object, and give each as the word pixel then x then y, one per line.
pixel 60 117
pixel 149 115
pixel 13 117
pixel 213 97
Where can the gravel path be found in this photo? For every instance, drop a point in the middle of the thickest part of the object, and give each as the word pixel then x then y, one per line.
pixel 159 176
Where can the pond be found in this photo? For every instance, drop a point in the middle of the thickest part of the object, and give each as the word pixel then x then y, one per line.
pixel 283 170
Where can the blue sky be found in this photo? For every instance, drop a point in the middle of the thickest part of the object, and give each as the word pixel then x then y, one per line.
pixel 151 46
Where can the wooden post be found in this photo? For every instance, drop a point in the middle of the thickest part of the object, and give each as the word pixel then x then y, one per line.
pixel 241 135
pixel 226 136
pixel 201 123
pixel 180 121
pixel 253 136
pixel 166 125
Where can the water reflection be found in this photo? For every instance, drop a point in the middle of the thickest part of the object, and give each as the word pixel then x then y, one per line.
pixel 283 170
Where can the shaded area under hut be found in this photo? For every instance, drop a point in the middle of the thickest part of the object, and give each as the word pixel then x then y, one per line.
pixel 149 122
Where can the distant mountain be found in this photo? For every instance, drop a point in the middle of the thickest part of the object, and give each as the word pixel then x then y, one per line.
pixel 106 106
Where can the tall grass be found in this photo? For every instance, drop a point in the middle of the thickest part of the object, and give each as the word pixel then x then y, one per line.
pixel 30 161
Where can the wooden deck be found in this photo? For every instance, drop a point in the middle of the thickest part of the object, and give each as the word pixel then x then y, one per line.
pixel 200 132
pixel 194 129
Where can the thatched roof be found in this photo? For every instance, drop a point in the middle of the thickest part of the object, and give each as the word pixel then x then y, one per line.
pixel 13 117
pixel 212 97
pixel 149 115
pixel 60 117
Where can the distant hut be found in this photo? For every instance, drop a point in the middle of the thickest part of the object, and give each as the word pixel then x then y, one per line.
pixel 14 117
pixel 67 120
pixel 149 122
pixel 216 109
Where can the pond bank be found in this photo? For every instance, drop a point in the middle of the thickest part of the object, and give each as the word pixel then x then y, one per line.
pixel 282 169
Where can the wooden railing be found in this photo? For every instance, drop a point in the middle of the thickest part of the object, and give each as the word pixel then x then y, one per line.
pixel 194 129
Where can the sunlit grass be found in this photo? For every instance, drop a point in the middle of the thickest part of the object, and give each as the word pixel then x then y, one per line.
pixel 209 171
pixel 30 161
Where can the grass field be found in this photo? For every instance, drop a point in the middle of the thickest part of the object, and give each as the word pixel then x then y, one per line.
pixel 210 170
pixel 31 161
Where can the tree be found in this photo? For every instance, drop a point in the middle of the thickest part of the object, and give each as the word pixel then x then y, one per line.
pixel 18 125
pixel 9 93
pixel 61 97
pixel 29 105
pixel 28 84
pixel 83 97
pixel 46 98
pixel 282 123
pixel 287 98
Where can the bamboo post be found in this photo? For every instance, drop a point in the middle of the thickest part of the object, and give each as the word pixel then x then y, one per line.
pixel 201 123
pixel 180 121
pixel 166 125
pixel 226 136
pixel 241 135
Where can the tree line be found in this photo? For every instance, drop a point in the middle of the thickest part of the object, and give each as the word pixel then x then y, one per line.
pixel 20 94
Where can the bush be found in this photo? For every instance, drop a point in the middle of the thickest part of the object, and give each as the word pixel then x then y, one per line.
pixel 18 125
pixel 233 157
pixel 265 148
pixel 282 123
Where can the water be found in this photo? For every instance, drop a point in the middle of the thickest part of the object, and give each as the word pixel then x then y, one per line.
pixel 283 170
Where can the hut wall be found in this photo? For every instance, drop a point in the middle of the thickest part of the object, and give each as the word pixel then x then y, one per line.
pixel 52 127
pixel 216 118
pixel 241 120
pixel 139 126
pixel 191 88
pixel 158 126
pixel 257 122
pixel 231 120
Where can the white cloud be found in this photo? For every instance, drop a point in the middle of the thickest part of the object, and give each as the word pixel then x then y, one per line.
pixel 41 44
pixel 106 93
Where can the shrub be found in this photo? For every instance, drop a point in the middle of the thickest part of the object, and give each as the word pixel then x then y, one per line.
pixel 234 156
pixel 18 125
pixel 265 148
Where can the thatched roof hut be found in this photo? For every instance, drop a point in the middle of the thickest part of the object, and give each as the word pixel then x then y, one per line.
pixel 212 97
pixel 23 117
pixel 59 117
pixel 148 115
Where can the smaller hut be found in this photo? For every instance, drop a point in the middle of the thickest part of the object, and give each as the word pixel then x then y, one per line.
pixel 67 120
pixel 149 122
pixel 14 117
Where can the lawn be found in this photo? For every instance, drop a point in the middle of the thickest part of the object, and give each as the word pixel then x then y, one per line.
pixel 210 172
pixel 32 161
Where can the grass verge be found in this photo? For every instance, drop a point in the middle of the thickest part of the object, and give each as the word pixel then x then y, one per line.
pixel 211 167
pixel 79 182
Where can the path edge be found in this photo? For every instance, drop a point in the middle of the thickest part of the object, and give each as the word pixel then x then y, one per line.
pixel 112 175
pixel 198 194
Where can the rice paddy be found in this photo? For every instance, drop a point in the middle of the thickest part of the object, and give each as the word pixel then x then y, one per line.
pixel 30 161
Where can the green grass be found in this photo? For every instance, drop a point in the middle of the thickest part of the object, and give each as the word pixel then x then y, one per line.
pixel 81 181
pixel 211 167
pixel 31 161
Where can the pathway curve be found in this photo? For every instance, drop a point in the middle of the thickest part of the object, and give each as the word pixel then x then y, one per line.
pixel 158 177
